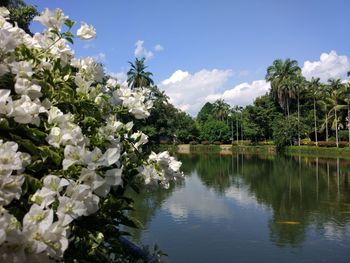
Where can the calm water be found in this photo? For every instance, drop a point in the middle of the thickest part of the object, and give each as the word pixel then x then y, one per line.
pixel 251 209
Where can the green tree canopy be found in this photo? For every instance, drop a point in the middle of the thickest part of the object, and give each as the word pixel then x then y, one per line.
pixel 137 76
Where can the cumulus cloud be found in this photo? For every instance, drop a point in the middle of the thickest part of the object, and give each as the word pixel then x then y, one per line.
pixel 330 65
pixel 158 48
pixel 120 76
pixel 140 51
pixel 189 91
pixel 242 94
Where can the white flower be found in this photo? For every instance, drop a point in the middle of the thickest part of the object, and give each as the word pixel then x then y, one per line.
pixel 27 111
pixel 69 209
pixel 83 193
pixel 89 69
pixel 56 116
pixel 140 139
pixel 69 133
pixel 5 102
pixel 4 12
pixel 24 86
pixel 9 225
pixel 10 159
pixel 51 189
pixel 8 42
pixel 73 155
pixel 10 188
pixel 35 224
pixel 86 31
pixel 52 19
pixel 111 83
pixel 136 102
pixel 22 69
pixel 83 85
pixel 91 178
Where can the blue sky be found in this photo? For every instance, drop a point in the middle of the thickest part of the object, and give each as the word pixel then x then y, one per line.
pixel 213 46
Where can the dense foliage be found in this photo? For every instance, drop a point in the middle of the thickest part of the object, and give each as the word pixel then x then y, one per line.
pixel 68 148
pixel 295 110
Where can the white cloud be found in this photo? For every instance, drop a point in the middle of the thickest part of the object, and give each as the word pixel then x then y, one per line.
pixel 100 57
pixel 330 65
pixel 196 200
pixel 177 76
pixel 188 92
pixel 140 51
pixel 242 94
pixel 120 76
pixel 89 45
pixel 158 48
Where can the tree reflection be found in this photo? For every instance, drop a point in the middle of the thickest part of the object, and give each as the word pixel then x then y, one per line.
pixel 300 191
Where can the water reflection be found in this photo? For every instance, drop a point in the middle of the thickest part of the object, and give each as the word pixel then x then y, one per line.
pixel 300 201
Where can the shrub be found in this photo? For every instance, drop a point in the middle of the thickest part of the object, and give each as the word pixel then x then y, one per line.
pixel 343 135
pixel 332 144
pixel 68 131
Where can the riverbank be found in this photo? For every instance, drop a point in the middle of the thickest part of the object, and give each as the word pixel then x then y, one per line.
pixel 330 152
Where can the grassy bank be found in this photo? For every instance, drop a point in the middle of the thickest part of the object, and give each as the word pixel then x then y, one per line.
pixel 199 148
pixel 254 149
pixel 332 152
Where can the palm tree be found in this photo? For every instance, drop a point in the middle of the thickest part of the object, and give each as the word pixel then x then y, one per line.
pixel 137 76
pixel 346 97
pixel 277 74
pixel 336 87
pixel 221 109
pixel 314 86
pixel 296 86
pixel 325 93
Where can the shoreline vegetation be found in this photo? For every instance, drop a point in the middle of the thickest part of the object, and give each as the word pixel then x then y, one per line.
pixel 228 149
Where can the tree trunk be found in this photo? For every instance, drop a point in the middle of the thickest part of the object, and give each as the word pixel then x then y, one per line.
pixel 326 126
pixel 348 122
pixel 237 129
pixel 242 127
pixel 336 128
pixel 315 122
pixel 298 121
pixel 231 131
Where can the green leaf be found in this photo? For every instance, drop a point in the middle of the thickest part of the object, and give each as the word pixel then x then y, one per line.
pixel 69 23
pixel 35 166
pixel 31 184
pixel 51 153
pixel 26 144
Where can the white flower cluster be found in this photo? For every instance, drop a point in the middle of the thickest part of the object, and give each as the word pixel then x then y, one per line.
pixel 11 160
pixel 161 168
pixel 43 232
pixel 136 101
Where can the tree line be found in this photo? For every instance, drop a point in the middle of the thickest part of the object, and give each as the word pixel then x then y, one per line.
pixel 295 111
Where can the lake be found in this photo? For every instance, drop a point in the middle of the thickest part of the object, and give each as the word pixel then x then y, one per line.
pixel 249 208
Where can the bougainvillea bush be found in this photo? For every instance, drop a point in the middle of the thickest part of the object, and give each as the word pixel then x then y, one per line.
pixel 67 148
